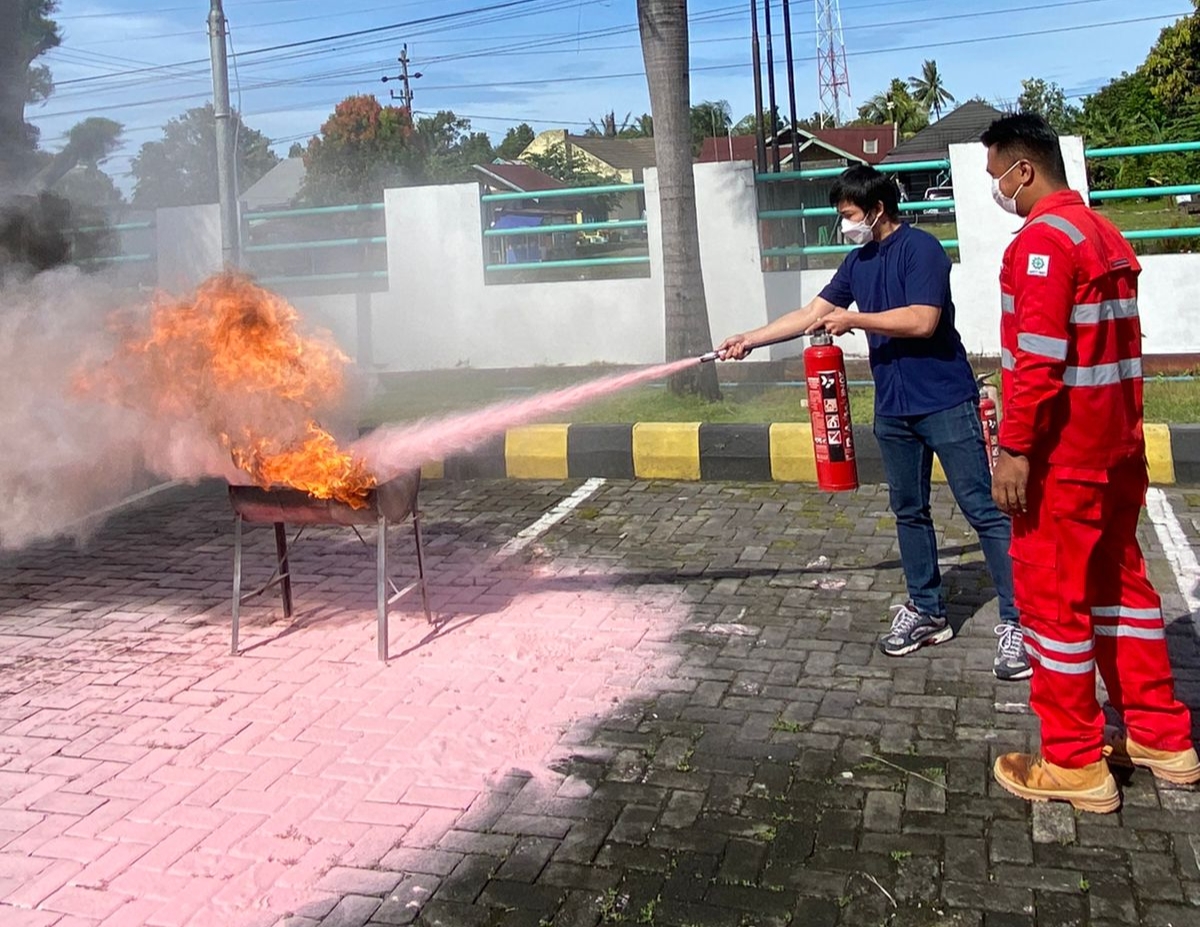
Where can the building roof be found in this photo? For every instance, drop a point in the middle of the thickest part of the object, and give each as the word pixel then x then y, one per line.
pixel 815 147
pixel 959 127
pixel 520 178
pixel 870 143
pixel 278 188
pixel 622 154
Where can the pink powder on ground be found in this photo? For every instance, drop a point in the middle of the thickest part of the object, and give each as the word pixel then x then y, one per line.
pixel 395 449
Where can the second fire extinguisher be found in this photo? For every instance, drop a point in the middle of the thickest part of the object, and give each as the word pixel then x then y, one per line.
pixel 829 407
pixel 989 419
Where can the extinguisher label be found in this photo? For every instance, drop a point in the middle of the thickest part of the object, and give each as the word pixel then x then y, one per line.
pixel 829 402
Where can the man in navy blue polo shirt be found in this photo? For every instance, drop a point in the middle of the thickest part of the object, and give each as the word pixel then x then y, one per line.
pixel 926 402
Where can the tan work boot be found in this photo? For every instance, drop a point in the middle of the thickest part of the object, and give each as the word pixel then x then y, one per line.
pixel 1031 777
pixel 1179 766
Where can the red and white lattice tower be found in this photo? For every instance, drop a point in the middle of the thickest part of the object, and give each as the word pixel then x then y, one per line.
pixel 833 77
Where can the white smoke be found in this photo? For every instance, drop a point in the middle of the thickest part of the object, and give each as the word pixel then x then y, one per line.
pixel 61 455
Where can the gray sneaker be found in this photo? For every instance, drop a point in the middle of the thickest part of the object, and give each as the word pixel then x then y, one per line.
pixel 912 630
pixel 1012 662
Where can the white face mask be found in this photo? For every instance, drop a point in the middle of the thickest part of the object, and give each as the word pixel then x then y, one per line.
pixel 859 233
pixel 1007 203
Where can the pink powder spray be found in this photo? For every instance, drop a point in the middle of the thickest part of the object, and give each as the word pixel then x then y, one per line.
pixel 394 449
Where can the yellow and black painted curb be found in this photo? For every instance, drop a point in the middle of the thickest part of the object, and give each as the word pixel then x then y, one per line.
pixel 780 452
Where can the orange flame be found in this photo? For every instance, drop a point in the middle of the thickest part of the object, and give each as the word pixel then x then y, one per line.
pixel 231 360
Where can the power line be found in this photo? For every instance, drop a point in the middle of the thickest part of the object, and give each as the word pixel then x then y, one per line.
pixel 541 47
pixel 358 33
pixel 925 46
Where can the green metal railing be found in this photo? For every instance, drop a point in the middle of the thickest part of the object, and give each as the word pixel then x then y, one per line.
pixel 1128 150
pixel 1134 193
pixel 374 271
pixel 118 259
pixel 311 211
pixel 828 212
pixel 112 260
pixel 942 164
pixel 315 244
pixel 563 193
pixel 562 228
pixel 948 243
pixel 566 227
pixel 573 262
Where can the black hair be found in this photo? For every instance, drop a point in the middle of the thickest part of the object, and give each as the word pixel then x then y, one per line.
pixel 1030 137
pixel 866 188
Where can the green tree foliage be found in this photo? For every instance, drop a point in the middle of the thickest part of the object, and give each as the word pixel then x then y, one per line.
pixel 1159 102
pixel 1049 100
pixel 180 169
pixel 365 148
pixel 607 127
pixel 88 185
pixel 449 149
pixel 895 104
pixel 929 90
pixel 89 143
pixel 772 124
pixel 710 119
pixel 28 33
pixel 516 140
pixel 1172 69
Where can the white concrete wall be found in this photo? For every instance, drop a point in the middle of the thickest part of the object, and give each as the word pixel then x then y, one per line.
pixel 439 313
pixel 189 245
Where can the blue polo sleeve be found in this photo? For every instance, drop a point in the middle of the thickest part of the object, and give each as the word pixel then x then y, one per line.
pixel 839 290
pixel 926 272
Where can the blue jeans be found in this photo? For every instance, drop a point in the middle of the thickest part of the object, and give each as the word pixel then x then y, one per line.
pixel 908 444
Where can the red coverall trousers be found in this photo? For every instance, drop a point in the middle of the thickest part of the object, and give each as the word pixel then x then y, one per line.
pixel 1080 582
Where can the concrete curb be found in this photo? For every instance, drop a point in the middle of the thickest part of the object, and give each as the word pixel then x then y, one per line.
pixel 779 452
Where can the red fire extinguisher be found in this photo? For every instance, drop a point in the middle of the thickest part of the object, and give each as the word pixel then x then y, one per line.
pixel 829 407
pixel 990 420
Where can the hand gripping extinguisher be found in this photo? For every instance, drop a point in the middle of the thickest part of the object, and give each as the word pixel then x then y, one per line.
pixel 829 407
pixel 989 419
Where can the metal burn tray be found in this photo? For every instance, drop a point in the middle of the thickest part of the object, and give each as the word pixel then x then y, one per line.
pixel 387 504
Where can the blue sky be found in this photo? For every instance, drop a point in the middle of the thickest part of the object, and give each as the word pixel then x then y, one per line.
pixel 553 63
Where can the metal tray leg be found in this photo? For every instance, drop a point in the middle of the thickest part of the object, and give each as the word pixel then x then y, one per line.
pixel 416 520
pixel 285 570
pixel 381 632
pixel 237 582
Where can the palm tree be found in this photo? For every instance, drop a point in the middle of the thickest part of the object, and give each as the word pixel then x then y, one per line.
pixel 897 106
pixel 929 89
pixel 664 29
pixel 607 127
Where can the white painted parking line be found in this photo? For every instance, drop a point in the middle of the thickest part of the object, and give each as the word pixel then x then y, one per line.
pixel 528 535
pixel 1178 549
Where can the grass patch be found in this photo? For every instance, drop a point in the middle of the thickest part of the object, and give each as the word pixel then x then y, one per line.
pixel 444 392
pixel 1162 213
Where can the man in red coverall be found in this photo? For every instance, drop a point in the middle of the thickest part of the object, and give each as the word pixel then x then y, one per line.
pixel 1072 474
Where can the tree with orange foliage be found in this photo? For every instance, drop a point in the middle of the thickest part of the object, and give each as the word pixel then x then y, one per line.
pixel 365 147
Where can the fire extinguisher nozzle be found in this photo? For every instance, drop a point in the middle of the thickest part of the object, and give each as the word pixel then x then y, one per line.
pixel 710 356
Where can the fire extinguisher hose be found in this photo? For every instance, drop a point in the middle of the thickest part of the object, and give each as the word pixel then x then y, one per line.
pixel 718 355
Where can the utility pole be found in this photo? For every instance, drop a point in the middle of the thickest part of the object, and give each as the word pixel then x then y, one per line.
pixel 406 94
pixel 760 146
pixel 227 195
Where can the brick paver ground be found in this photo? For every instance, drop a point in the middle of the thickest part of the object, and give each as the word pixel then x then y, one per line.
pixel 667 710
